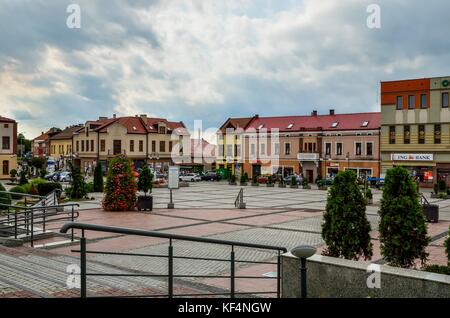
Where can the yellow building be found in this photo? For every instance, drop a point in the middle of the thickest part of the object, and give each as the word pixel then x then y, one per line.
pixel 60 146
pixel 8 150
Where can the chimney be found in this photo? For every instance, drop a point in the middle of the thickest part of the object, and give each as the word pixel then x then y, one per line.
pixel 314 113
pixel 144 117
pixel 114 115
pixel 102 118
pixel 331 111
pixel 256 115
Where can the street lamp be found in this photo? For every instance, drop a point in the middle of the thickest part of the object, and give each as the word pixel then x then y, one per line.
pixel 303 252
pixel 348 159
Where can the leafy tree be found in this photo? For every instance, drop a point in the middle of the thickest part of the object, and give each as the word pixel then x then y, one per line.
pixel 78 185
pixel 120 190
pixel 42 173
pixel 447 246
pixel 403 229
pixel 5 198
pixel 23 177
pixel 38 162
pixel 145 180
pixel 346 229
pixel 98 177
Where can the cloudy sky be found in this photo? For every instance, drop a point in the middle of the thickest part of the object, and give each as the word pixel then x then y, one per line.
pixel 210 60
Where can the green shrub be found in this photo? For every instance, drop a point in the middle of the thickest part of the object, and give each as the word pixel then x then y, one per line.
pixel 17 189
pixel 254 179
pixel 447 246
pixel 232 178
pixel 320 183
pixel 269 180
pixel 435 188
pixel 368 194
pixel 78 186
pixel 89 187
pixel 23 177
pixel 5 198
pixel 120 190
pixel 42 173
pixel 304 182
pixel 442 186
pixel 98 178
pixel 13 174
pixel 243 178
pixel 293 180
pixel 46 188
pixel 403 229
pixel 440 269
pixel 145 180
pixel 346 229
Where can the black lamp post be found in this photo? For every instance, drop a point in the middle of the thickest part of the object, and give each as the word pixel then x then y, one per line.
pixel 303 252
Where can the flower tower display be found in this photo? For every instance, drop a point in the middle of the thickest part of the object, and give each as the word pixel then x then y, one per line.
pixel 120 190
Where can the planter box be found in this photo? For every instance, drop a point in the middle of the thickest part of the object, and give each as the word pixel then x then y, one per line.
pixel 243 183
pixel 281 185
pixel 145 203
pixel 431 212
pixel 255 184
pixel 294 186
pixel 270 185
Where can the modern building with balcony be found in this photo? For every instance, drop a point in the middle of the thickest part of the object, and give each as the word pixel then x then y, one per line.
pixel 8 150
pixel 314 145
pixel 415 127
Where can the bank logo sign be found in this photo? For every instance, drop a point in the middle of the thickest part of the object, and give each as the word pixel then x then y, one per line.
pixel 412 157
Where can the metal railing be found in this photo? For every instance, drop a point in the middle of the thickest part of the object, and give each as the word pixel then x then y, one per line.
pixel 171 257
pixel 423 199
pixel 28 221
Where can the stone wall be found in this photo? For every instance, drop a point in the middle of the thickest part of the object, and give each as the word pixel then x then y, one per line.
pixel 330 277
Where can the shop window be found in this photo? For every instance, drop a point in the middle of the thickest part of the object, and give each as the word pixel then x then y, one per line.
pixel 339 148
pixel 392 134
pixel 437 134
pixel 423 101
pixel 411 101
pixel 6 142
pixel 399 103
pixel 406 134
pixel 421 134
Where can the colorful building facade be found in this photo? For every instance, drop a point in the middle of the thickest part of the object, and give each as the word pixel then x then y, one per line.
pixel 415 127
pixel 8 150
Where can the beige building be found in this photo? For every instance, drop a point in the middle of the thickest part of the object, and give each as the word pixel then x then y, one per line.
pixel 8 150
pixel 142 139
pixel 60 146
pixel 415 127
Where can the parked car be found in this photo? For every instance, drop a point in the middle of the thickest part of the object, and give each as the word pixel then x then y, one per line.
pixel 51 176
pixel 288 179
pixel 190 177
pixel 65 176
pixel 210 176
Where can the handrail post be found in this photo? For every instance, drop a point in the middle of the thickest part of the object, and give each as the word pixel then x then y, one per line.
pixel 170 274
pixel 71 235
pixel 32 228
pixel 83 265
pixel 15 224
pixel 279 274
pixel 232 275
pixel 43 219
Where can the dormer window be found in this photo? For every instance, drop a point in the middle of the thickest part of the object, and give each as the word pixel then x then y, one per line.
pixel 290 126
pixel 365 124
pixel 134 128
pixel 162 129
pixel 260 126
pixel 335 124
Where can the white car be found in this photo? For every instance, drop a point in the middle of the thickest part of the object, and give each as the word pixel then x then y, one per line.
pixel 190 177
pixel 65 176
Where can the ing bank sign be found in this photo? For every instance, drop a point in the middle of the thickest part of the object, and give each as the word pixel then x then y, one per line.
pixel 412 157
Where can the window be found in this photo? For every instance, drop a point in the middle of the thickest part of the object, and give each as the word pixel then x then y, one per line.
pixel 92 145
pixel 5 167
pixel 162 146
pixel 117 147
pixel 423 101
pixel 411 101
pixel 87 145
pixel 141 146
pixel 369 149
pixel 131 145
pixel 339 148
pixel 335 124
pixel 6 142
pixel 445 100
pixel 229 150
pixel 6 125
pixel 102 145
pixel 276 148
pixel 82 146
pixel 328 149
pixel 252 149
pixel 153 146
pixel 421 134
pixel 78 146
pixel 399 103
pixel 287 148
pixel 262 149
pixel 238 150
pixel 358 148
pixel 162 130
pixel 437 134
pixel 221 147
pixel 406 134
pixel 392 134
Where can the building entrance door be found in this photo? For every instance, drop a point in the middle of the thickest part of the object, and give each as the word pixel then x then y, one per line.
pixel 310 176
pixel 256 170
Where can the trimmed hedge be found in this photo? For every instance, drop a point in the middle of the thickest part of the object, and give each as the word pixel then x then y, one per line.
pixel 5 198
pixel 17 189
pixel 46 188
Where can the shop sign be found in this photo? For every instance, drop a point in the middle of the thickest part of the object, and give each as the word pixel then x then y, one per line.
pixel 412 157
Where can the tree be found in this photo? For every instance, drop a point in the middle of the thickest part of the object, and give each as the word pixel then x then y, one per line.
pixel 78 186
pixel 38 162
pixel 145 180
pixel 403 229
pixel 447 246
pixel 98 177
pixel 23 177
pixel 120 190
pixel 346 230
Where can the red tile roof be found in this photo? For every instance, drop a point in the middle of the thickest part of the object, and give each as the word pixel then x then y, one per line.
pixel 6 120
pixel 134 125
pixel 320 122
pixel 203 147
pixel 66 133
pixel 236 123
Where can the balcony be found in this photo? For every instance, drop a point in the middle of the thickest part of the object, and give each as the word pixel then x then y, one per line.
pixel 111 152
pixel 308 156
